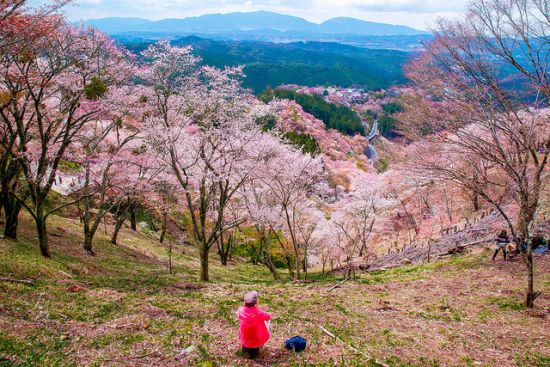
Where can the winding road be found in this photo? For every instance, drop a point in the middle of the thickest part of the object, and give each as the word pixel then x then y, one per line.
pixel 370 150
pixel 374 131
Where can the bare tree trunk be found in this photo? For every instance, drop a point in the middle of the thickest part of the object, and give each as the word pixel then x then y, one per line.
pixel 88 239
pixel 475 201
pixel 288 260
pixel 324 260
pixel 530 296
pixel 204 254
pixel 152 225
pixel 224 249
pixel 40 221
pixel 351 267
pixel 272 269
pixel 526 216
pixel 297 263
pixel 12 207
pixel 89 233
pixel 291 229
pixel 170 258
pixel 289 266
pixel 133 210
pixel 86 216
pixel 163 229
pixel 118 225
pixel 91 225
pixel 266 255
pixel 12 211
pixel 304 264
pixel 448 205
pixel 223 253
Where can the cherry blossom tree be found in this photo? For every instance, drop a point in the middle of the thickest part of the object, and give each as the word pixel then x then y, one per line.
pixel 262 215
pixel 62 84
pixel 158 193
pixel 412 196
pixel 262 211
pixel 279 199
pixel 166 193
pixel 309 231
pixel 10 8
pixel 347 239
pixel 506 138
pixel 21 31
pixel 115 166
pixel 234 216
pixel 292 181
pixel 21 25
pixel 358 218
pixel 203 127
pixel 325 246
pixel 366 203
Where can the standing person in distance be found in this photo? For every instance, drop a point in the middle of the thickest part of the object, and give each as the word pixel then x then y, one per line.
pixel 502 241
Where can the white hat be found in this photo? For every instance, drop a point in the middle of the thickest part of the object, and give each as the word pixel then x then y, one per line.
pixel 251 298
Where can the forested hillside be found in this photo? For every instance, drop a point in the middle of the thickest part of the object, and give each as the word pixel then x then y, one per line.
pixel 305 63
pixel 334 116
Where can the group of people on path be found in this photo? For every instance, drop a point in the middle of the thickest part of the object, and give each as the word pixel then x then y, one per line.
pixel 503 241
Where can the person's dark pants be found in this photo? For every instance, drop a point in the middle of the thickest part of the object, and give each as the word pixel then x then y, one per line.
pixel 251 353
pixel 503 252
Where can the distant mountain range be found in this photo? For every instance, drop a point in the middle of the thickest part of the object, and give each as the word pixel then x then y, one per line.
pixel 280 49
pixel 259 24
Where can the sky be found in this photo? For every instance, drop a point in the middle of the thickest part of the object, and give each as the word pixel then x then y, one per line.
pixel 419 14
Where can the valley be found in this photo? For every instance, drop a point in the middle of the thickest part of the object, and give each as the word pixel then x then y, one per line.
pixel 274 183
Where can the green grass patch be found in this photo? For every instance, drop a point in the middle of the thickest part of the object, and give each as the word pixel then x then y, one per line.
pixel 532 360
pixel 506 303
pixel 484 315
pixel 40 349
pixel 401 274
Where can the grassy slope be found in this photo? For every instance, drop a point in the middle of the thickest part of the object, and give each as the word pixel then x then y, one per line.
pixel 120 308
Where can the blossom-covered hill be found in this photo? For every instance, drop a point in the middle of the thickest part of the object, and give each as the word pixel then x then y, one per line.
pixel 343 155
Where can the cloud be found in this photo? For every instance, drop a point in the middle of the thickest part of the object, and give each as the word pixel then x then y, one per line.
pixel 412 6
pixel 90 2
pixel 415 13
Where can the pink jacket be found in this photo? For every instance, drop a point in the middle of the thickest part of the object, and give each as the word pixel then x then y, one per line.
pixel 253 331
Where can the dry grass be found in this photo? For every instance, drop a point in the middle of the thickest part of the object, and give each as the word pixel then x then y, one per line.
pixel 120 308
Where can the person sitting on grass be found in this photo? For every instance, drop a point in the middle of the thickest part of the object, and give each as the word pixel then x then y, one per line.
pixel 502 242
pixel 254 326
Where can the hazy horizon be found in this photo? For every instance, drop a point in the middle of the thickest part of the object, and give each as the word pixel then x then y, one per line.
pixel 419 14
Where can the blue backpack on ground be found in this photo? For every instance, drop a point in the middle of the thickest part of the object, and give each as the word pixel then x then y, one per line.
pixel 296 343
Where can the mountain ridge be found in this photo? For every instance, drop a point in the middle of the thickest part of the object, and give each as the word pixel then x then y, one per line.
pixel 260 21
